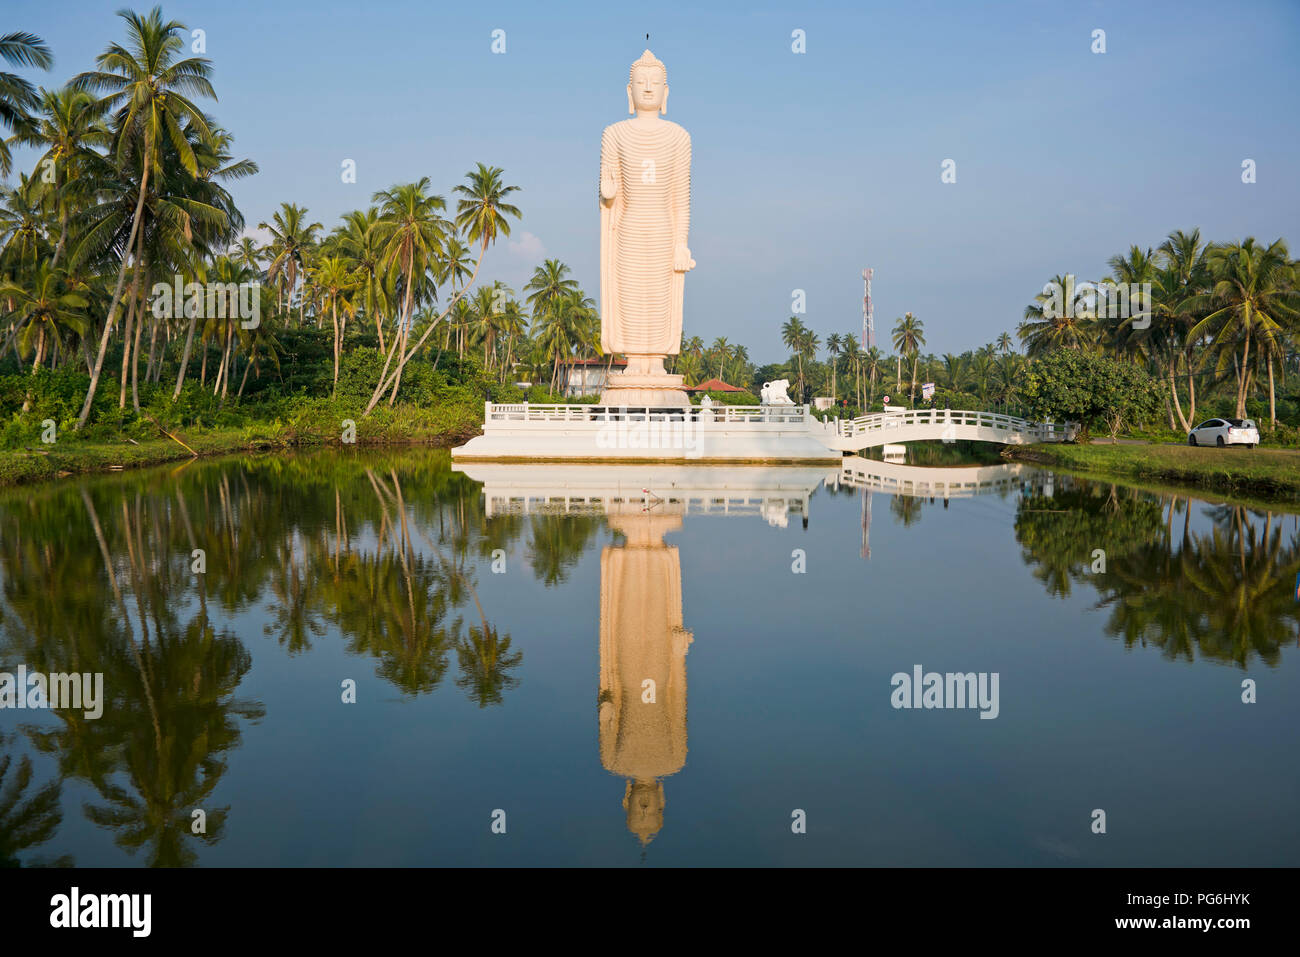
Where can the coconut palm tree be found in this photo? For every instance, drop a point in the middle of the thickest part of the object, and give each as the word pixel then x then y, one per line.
pixel 411 234
pixel 548 287
pixel 794 335
pixel 908 337
pixel 68 128
pixel 45 311
pixel 873 360
pixel 291 239
pixel 1254 297
pixel 1051 321
pixel 147 92
pixel 337 280
pixel 834 346
pixel 17 96
pixel 482 215
pixel 1004 343
pixel 1185 257
pixel 722 352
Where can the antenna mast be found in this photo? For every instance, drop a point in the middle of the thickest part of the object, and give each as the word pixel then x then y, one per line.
pixel 868 318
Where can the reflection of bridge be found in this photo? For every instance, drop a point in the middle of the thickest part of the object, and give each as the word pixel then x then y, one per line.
pixel 929 482
pixel 947 425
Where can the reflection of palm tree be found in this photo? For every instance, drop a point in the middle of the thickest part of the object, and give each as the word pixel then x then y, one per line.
pixel 24 824
pixel 1243 584
pixel 557 542
pixel 906 509
pixel 1225 595
pixel 484 659
pixel 295 621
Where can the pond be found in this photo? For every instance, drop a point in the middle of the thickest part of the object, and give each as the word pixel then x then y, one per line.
pixel 381 658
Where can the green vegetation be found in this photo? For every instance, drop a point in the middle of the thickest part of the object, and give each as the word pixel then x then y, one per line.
pixel 1270 473
pixel 133 306
pixel 1226 594
pixel 1089 388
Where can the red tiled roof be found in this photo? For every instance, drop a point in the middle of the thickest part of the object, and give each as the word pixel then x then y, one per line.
pixel 713 385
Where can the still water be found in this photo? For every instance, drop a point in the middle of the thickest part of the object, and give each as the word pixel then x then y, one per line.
pixel 636 665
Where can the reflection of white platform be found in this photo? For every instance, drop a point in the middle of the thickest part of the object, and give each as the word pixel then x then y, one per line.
pixel 769 492
pixel 527 432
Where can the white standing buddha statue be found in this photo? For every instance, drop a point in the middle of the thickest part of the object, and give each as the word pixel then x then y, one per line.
pixel 645 213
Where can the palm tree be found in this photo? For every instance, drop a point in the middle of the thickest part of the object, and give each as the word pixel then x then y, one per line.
pixel 740 371
pixel 291 238
pixel 1253 298
pixel 481 216
pixel 548 287
pixel 793 335
pixel 954 372
pixel 834 346
pixel 146 90
pixel 45 311
pixel 337 281
pixel 17 96
pixel 722 350
pixel 1004 343
pixel 908 337
pixel 1185 257
pixel 1065 327
pixel 872 362
pixel 68 127
pixel 410 234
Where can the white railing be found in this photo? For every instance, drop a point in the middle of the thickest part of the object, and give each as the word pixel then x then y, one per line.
pixel 948 420
pixel 721 414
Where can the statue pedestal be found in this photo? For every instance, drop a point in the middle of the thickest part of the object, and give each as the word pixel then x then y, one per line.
pixel 645 383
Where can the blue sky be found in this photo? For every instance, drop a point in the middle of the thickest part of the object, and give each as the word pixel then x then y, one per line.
pixel 807 167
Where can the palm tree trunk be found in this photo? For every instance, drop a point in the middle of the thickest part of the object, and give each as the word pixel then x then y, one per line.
pixel 185 356
pixel 135 362
pixel 1173 391
pixel 117 293
pixel 244 379
pixel 127 332
pixel 230 362
pixel 406 323
pixel 334 314
pixel 139 328
pixel 1243 377
pixel 374 399
pixel 1272 402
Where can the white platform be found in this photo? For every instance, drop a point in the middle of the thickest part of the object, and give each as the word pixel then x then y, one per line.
pixel 540 433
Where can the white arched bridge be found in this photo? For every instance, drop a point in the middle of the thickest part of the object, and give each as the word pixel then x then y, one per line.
pixel 941 425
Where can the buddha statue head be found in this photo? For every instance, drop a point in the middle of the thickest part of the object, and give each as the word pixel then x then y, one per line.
pixel 647 86
pixel 644 802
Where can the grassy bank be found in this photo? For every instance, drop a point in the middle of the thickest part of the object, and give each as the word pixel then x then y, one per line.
pixel 404 425
pixel 1270 473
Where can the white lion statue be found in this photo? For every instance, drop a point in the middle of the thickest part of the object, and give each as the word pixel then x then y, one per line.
pixel 774 393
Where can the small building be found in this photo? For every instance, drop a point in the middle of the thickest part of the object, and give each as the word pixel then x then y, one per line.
pixel 584 377
pixel 712 385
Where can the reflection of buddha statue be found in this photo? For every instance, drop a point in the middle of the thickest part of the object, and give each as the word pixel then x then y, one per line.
pixel 645 212
pixel 641 637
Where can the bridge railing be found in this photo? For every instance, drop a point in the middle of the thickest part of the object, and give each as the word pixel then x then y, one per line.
pixel 882 422
pixel 514 412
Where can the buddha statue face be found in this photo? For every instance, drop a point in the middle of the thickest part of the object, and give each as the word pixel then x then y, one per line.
pixel 647 88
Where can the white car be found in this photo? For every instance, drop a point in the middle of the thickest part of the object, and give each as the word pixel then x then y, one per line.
pixel 1223 432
